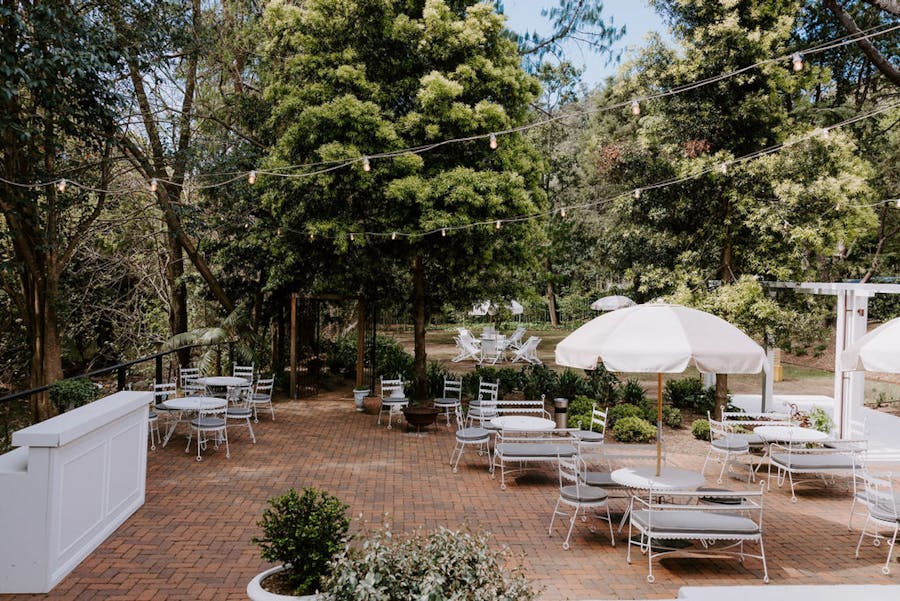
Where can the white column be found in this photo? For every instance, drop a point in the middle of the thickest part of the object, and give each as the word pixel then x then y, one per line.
pixel 849 387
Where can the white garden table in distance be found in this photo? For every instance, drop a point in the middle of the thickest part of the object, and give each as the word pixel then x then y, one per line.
pixel 189 404
pixel 523 423
pixel 788 434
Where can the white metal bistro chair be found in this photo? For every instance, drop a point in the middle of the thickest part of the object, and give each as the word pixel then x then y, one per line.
pixel 163 391
pixel 240 409
pixel 483 408
pixel 243 371
pixel 881 514
pixel 188 378
pixel 471 437
pixel 594 436
pixel 262 395
pixel 580 496
pixel 153 428
pixel 209 421
pixel 726 448
pixel 450 404
pixel 393 399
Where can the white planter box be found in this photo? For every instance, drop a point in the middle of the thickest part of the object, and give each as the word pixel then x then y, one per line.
pixel 73 481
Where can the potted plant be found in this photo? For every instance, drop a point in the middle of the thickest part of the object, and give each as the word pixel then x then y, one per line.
pixel 303 532
pixel 444 564
pixel 420 415
pixel 371 404
pixel 358 395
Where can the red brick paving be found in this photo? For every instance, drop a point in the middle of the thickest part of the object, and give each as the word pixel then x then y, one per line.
pixel 191 540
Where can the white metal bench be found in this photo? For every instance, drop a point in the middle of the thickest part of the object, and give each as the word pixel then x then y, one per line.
pixel 665 516
pixel 529 447
pixel 836 457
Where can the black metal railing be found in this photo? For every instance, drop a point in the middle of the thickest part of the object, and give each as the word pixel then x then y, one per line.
pixel 11 421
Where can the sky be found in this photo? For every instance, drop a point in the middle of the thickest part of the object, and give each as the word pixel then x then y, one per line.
pixel 636 15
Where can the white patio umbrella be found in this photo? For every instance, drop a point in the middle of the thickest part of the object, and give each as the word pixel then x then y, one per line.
pixel 516 307
pixel 611 303
pixel 480 309
pixel 661 338
pixel 879 350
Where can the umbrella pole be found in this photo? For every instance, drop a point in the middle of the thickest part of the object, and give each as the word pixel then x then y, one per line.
pixel 659 395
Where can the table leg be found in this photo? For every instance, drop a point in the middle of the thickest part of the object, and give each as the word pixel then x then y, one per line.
pixel 172 424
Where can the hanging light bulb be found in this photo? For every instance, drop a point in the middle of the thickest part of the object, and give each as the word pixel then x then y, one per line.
pixel 393 235
pixel 723 168
pixel 497 224
pixel 493 142
pixel 61 185
pixel 897 203
pixel 562 212
pixel 825 133
pixel 366 166
pixel 352 236
pixel 443 232
pixel 797 61
pixel 312 236
pixel 251 178
pixel 635 108
pixel 153 185
pixel 278 232
pixel 637 193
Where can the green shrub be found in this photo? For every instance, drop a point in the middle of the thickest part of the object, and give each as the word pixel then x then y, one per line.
pixel 671 416
pixel 444 564
pixel 434 375
pixel 622 411
pixel 305 531
pixel 632 393
pixel 69 394
pixel 633 429
pixel 600 384
pixel 537 380
pixel 700 429
pixel 579 412
pixel 689 393
pixel 820 420
pixel 508 377
pixel 568 385
pixel 391 358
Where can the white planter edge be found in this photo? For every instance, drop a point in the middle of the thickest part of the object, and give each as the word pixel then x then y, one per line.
pixel 256 592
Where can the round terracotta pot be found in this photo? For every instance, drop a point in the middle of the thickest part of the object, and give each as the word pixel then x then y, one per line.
pixel 371 404
pixel 255 592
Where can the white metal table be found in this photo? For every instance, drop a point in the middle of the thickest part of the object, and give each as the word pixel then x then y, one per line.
pixel 644 478
pixel 189 404
pixel 789 434
pixel 525 423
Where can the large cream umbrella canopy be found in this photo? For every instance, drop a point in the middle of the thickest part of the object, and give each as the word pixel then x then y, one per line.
pixel 879 350
pixel 611 303
pixel 659 338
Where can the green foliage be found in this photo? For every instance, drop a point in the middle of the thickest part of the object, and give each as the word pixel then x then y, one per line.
pixel 305 532
pixel 579 412
pixel 602 385
pixel 435 375
pixel 820 420
pixel 390 357
pixel 632 393
pixel 72 393
pixel 538 380
pixel 671 416
pixel 508 377
pixel 568 384
pixel 689 393
pixel 633 429
pixel 700 429
pixel 444 564
pixel 617 412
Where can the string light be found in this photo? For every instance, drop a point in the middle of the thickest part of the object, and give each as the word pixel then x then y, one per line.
pixel 443 232
pixel 366 166
pixel 153 185
pixel 637 193
pixel 493 142
pixel 635 108
pixel 825 133
pixel 251 178
pixel 312 236
pixel 352 236
pixel 61 185
pixel 724 168
pixel 797 61
pixel 562 212
pixel 497 224
pixel 897 203
pixel 393 235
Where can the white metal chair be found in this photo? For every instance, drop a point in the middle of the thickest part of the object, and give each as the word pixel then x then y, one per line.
pixel 726 448
pixel 153 428
pixel 882 513
pixel 580 496
pixel 594 436
pixel 188 379
pixel 471 436
pixel 392 399
pixel 240 409
pixel 528 351
pixel 483 408
pixel 163 391
pixel 450 404
pixel 244 371
pixel 209 420
pixel 262 395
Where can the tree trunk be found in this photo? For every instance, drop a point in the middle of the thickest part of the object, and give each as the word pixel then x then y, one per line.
pixel 44 339
pixel 726 273
pixel 721 394
pixel 551 294
pixel 421 381
pixel 178 310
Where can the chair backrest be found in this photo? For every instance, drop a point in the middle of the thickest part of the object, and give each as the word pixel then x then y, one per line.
pixel 571 470
pixel 530 345
pixel 389 387
pixel 163 391
pixel 488 391
pixel 717 429
pixel 516 336
pixel 187 373
pixel 468 344
pixel 243 371
pixel 264 387
pixel 452 389
pixel 880 497
pixel 598 420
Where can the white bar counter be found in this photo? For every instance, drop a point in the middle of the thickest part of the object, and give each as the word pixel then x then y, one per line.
pixel 74 479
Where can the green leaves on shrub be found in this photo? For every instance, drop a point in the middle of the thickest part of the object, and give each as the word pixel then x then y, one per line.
pixel 391 358
pixel 689 393
pixel 671 416
pixel 700 429
pixel 632 393
pixel 69 394
pixel 633 429
pixel 444 564
pixel 305 531
pixel 579 412
pixel 623 411
pixel 820 420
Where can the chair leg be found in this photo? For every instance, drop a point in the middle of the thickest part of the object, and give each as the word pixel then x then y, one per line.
pixel 887 569
pixel 724 465
pixel 571 527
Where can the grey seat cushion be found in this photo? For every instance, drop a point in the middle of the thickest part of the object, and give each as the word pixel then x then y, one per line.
pixel 730 443
pixel 709 496
pixel 239 412
pixel 152 415
pixel 208 422
pixel 472 434
pixel 583 494
pixel 694 522
pixel 813 461
pixel 535 449
pixel 600 479
pixel 446 402
pixel 884 514
pixel 588 436
pixel 749 437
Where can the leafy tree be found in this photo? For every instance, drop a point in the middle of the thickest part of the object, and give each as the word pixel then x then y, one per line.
pixel 354 77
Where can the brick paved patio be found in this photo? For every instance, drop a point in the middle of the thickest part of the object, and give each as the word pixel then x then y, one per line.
pixel 191 540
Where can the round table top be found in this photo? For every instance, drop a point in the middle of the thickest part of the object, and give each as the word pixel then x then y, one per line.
pixel 223 381
pixel 194 403
pixel 789 434
pixel 670 478
pixel 523 422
